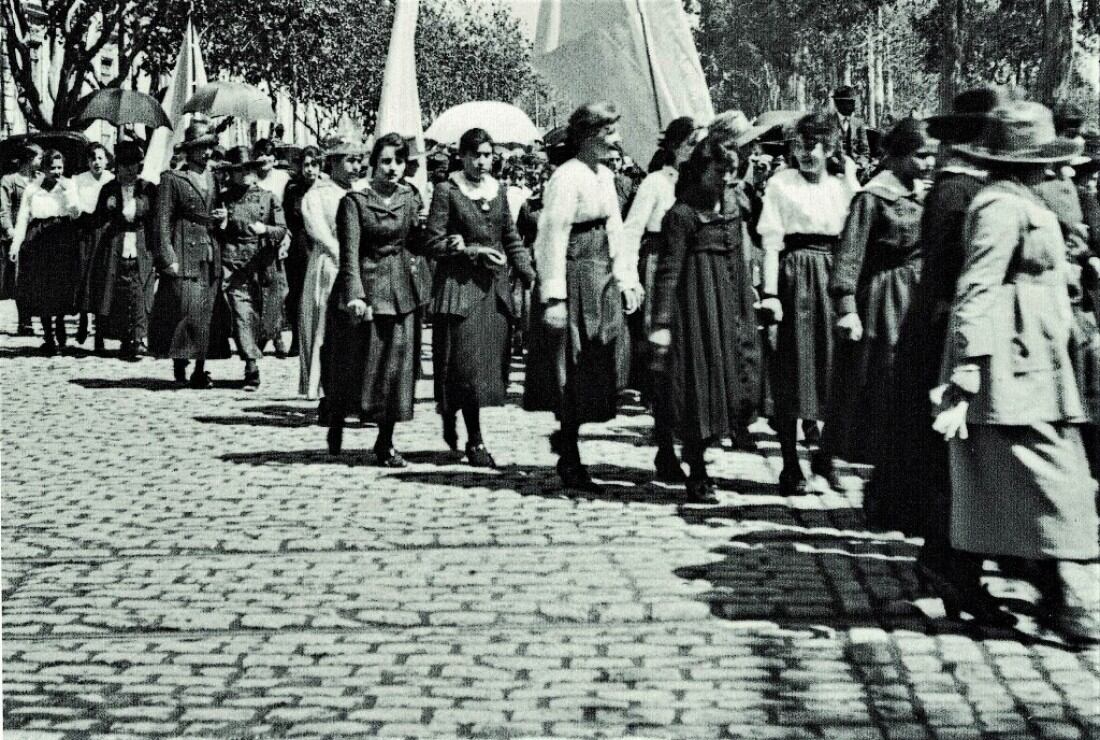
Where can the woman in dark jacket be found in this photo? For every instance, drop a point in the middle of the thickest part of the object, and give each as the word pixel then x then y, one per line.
pixel 703 316
pixel 473 238
pixel 373 340
pixel 123 277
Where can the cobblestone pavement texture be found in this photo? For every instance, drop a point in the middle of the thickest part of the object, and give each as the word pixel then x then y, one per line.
pixel 183 563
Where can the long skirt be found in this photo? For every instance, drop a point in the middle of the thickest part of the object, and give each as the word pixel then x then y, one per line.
pixel 127 316
pixel 183 313
pixel 50 268
pixel 470 356
pixel 90 243
pixel 372 365
pixel 859 417
pixel 711 384
pixel 804 345
pixel 637 374
pixel 316 290
pixel 8 271
pixel 1023 491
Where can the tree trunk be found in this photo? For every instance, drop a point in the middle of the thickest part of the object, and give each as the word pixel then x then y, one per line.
pixel 1056 67
pixel 872 81
pixel 952 13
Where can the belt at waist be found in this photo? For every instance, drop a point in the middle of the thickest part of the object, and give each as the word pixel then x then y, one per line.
pixel 814 242
pixel 584 227
pixel 1049 278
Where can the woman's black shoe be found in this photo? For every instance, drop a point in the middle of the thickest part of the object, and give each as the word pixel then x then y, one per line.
pixel 959 597
pixel 811 432
pixel 575 477
pixel 389 458
pixel 335 439
pixel 668 467
pixel 556 442
pixel 49 349
pixel 479 457
pixel 792 483
pixel 201 381
pixel 822 465
pixel 323 414
pixel 179 374
pixel 450 432
pixel 252 380
pixel 701 491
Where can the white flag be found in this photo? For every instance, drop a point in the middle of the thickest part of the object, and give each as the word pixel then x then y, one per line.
pixel 188 74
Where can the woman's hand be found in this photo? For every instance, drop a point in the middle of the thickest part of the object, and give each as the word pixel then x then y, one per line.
pixel 951 422
pixel 455 243
pixel 771 309
pixel 257 228
pixel 13 253
pixel 851 328
pixel 632 299
pixel 660 340
pixel 360 310
pixel 556 314
pixel 173 270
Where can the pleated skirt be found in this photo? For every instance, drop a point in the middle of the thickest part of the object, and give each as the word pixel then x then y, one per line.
pixel 470 356
pixel 804 343
pixel 371 366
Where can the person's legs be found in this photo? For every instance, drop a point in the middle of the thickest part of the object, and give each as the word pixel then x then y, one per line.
pixel 791 480
pixel 60 331
pixel 476 452
pixel 385 453
pixel 49 343
pixel 700 487
pixel 666 463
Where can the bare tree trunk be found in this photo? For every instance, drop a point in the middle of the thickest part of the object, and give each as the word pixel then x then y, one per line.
pixel 872 82
pixel 953 14
pixel 1056 68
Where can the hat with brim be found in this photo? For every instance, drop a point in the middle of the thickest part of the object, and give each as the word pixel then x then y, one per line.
pixel 240 158
pixel 1089 159
pixel 970 112
pixel 343 146
pixel 1022 133
pixel 197 134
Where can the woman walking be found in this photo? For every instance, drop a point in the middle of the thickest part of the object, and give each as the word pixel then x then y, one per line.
pixel 310 170
pixel 703 315
pixel 472 237
pixel 586 276
pixel 373 341
pixel 122 273
pixel 875 269
pixel 12 186
pixel 47 249
pixel 88 185
pixel 343 161
pixel 1011 410
pixel 804 211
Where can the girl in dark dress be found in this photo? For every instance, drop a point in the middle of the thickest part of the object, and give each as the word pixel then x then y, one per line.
pixel 703 315
pixel 372 345
pixel 47 250
pixel 473 238
pixel 122 271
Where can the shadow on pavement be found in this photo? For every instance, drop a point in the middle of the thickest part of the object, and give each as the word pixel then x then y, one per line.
pixel 145 384
pixel 268 416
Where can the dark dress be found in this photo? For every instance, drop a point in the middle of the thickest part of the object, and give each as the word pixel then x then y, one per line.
pixel 12 186
pixel 50 267
pixel 704 295
pixel 910 489
pixel 183 309
pixel 298 254
pixel 371 366
pixel 472 305
pixel 875 270
pixel 121 290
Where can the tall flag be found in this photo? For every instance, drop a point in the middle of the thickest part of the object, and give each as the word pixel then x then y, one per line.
pixel 644 47
pixel 399 107
pixel 188 74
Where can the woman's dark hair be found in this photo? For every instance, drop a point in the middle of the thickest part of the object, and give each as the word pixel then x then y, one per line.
pixel 587 120
pixel 128 153
pixel 49 157
pixel 820 128
pixel 26 155
pixel 472 140
pixel 905 139
pixel 707 152
pixel 92 148
pixel 311 152
pixel 675 135
pixel 400 146
pixel 263 148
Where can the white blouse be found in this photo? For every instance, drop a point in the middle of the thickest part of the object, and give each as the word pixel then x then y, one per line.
pixel 575 194
pixel 275 183
pixel 319 207
pixel 38 203
pixel 655 196
pixel 87 188
pixel 794 205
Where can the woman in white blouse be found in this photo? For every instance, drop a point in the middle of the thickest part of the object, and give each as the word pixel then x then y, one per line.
pixel 804 211
pixel 88 185
pixel 343 160
pixel 46 248
pixel 586 277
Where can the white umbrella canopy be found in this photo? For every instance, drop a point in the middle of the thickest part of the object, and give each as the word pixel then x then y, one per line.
pixel 506 123
pixel 228 98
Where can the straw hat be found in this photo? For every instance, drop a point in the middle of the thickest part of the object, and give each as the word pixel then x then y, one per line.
pixel 1022 133
pixel 198 134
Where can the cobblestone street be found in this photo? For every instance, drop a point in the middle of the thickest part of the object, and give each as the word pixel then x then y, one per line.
pixel 185 563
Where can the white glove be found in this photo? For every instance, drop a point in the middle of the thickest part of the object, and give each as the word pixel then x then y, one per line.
pixel 951 422
pixel 850 327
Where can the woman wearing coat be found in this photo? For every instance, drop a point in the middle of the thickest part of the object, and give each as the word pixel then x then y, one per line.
pixel 122 273
pixel 373 341
pixel 47 250
pixel 320 205
pixel 704 323
pixel 1010 408
pixel 473 239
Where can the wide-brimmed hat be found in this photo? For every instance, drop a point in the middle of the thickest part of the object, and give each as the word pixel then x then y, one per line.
pixel 1022 133
pixel 198 134
pixel 240 158
pixel 970 112
pixel 1089 159
pixel 343 146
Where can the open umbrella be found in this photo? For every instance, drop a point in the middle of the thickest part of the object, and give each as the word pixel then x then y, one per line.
pixel 121 107
pixel 506 123
pixel 237 99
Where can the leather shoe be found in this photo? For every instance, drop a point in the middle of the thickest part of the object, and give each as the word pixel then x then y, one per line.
pixel 389 458
pixel 201 381
pixel 668 467
pixel 479 456
pixel 792 483
pixel 335 439
pixel 575 476
pixel 701 491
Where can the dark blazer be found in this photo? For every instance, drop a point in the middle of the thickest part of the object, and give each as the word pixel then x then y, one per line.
pixel 462 282
pixel 239 245
pixel 854 140
pixel 185 228
pixel 379 247
pixel 108 217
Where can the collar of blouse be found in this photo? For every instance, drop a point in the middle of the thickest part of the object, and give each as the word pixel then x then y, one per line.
pixel 486 190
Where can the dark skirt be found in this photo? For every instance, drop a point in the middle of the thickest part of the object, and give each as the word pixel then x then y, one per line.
pixel 576 372
pixel 7 272
pixel 710 386
pixel 90 242
pixel 371 366
pixel 804 343
pixel 470 356
pixel 183 314
pixel 859 415
pixel 637 374
pixel 127 315
pixel 50 268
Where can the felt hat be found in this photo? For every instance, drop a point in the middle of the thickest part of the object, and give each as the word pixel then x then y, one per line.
pixel 1022 133
pixel 970 112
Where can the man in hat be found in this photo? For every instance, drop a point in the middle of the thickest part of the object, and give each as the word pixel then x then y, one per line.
pixel 188 257
pixel 853 129
pixel 251 236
